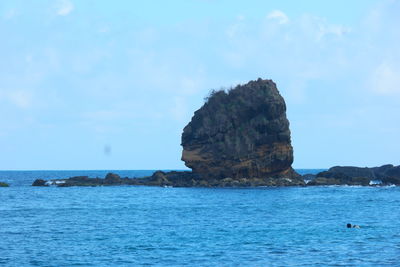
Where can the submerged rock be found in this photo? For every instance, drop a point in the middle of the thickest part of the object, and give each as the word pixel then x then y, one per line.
pixel 3 184
pixel 243 133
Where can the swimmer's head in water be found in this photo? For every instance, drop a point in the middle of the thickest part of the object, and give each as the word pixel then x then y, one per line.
pixel 348 225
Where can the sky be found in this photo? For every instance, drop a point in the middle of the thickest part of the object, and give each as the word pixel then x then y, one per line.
pixel 87 84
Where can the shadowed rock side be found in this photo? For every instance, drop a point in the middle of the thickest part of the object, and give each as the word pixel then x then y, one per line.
pixel 241 134
pixel 384 175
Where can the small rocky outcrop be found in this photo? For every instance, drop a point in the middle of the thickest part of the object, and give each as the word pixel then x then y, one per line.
pixel 166 179
pixel 348 175
pixel 77 181
pixel 110 179
pixel 190 179
pixel 241 134
pixel 3 184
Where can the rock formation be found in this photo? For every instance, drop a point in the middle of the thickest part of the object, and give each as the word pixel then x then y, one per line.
pixel 240 138
pixel 384 175
pixel 237 138
pixel 242 133
pixel 166 179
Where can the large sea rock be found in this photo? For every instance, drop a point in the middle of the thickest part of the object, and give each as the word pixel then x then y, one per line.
pixel 239 138
pixel 242 133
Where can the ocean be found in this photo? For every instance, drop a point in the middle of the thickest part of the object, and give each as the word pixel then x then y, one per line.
pixel 155 226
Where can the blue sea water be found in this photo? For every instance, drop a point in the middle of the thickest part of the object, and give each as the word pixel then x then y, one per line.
pixel 154 226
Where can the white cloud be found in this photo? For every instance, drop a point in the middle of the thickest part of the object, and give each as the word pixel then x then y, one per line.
pixel 279 16
pixel 386 79
pixel 65 7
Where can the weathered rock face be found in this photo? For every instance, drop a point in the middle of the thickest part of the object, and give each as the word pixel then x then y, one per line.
pixel 240 134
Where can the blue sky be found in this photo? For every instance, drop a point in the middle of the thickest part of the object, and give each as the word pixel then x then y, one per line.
pixel 88 84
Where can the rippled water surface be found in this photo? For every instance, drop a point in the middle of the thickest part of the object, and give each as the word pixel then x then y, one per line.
pixel 153 226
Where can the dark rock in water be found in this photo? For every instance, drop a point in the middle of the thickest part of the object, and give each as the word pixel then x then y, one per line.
pixel 112 178
pixel 388 174
pixel 3 184
pixel 391 180
pixel 173 178
pixel 243 133
pixel 349 172
pixel 159 178
pixel 335 175
pixel 79 181
pixel 323 181
pixel 337 181
pixel 190 179
pixel 39 182
pixel 79 178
